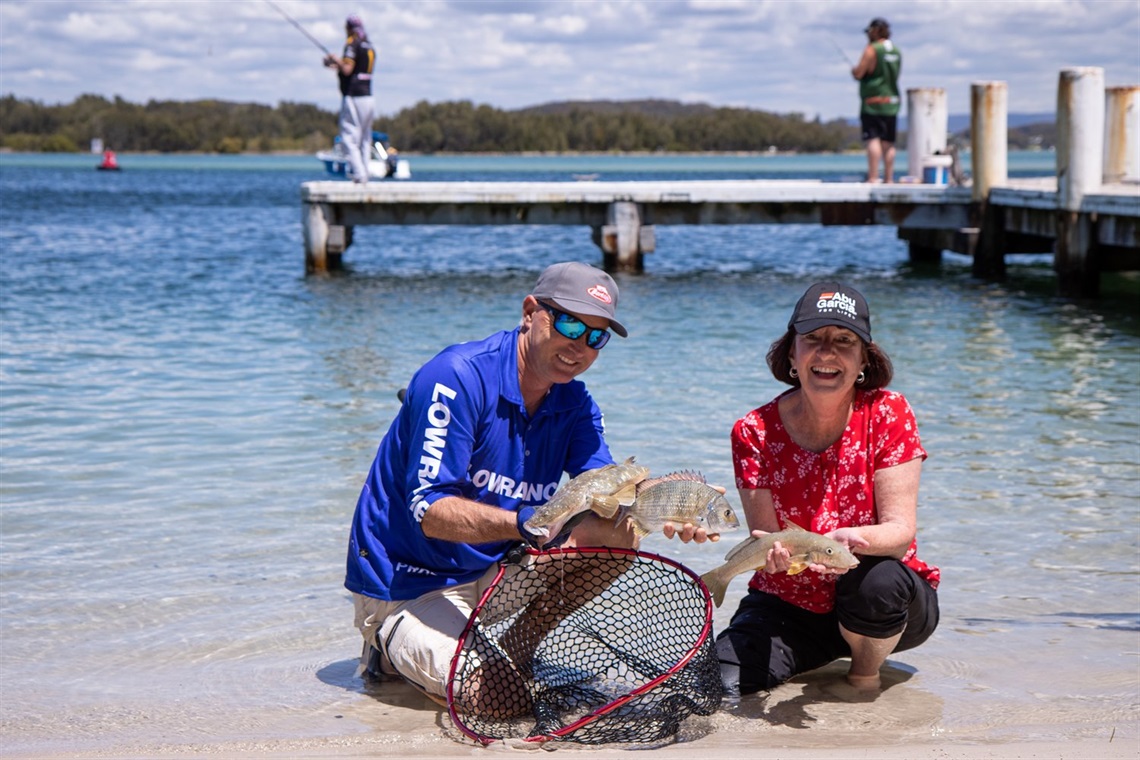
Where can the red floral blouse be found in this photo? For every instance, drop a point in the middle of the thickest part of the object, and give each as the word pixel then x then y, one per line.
pixel 831 489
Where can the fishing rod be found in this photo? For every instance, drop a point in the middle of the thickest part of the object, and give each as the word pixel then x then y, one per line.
pixel 833 42
pixel 302 29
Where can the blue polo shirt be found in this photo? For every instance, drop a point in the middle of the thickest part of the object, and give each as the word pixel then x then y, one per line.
pixel 463 431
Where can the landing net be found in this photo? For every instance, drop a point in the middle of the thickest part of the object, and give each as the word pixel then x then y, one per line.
pixel 587 645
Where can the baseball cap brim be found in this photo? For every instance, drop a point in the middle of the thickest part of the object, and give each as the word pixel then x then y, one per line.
pixel 805 326
pixel 587 309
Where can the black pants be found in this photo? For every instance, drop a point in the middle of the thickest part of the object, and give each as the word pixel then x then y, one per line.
pixel 770 640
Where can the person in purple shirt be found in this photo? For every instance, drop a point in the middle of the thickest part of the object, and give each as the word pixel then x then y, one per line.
pixel 484 435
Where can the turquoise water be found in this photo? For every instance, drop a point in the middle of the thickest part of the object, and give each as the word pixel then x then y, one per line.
pixel 185 421
pixel 835 167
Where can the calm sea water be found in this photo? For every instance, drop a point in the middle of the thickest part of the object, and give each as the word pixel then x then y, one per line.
pixel 185 421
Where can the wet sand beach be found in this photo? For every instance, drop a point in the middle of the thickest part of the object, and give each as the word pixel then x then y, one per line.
pixel 813 717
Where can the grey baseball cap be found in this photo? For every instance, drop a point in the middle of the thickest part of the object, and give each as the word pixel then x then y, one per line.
pixel 580 289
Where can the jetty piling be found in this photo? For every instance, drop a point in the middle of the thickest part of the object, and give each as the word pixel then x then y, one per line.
pixel 1122 134
pixel 1087 215
pixel 989 157
pixel 1080 171
pixel 928 123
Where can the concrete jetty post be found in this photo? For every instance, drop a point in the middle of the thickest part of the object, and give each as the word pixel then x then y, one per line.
pixel 315 233
pixel 989 136
pixel 926 127
pixel 1122 134
pixel 623 239
pixel 1080 169
pixel 325 242
pixel 989 160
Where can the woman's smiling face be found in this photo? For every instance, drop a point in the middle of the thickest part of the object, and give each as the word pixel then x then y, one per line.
pixel 828 357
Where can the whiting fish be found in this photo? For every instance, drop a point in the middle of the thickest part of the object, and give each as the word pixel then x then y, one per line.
pixel 751 554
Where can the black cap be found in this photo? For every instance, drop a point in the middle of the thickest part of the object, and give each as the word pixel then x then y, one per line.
pixel 877 23
pixel 832 303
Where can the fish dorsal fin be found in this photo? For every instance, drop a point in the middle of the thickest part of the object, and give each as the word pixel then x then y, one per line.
pixel 791 527
pixel 740 547
pixel 690 475
pixel 630 460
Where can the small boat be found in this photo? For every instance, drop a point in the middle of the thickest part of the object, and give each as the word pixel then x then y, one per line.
pixel 110 163
pixel 383 163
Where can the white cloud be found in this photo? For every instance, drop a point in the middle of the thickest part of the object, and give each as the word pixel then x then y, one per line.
pixel 771 54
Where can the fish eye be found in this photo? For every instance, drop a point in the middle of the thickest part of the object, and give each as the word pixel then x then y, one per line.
pixel 830 550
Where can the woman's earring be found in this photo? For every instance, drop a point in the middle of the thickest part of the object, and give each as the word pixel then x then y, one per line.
pixel 793 372
pixel 862 378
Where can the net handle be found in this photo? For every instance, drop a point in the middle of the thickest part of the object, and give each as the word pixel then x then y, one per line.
pixel 471 621
pixel 706 629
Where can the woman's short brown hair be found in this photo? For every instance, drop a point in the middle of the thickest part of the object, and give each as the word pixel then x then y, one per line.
pixel 877 374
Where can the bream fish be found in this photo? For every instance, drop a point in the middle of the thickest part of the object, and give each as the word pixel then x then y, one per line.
pixel 679 498
pixel 751 554
pixel 603 490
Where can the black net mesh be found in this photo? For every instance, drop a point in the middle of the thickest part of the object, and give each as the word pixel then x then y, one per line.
pixel 595 646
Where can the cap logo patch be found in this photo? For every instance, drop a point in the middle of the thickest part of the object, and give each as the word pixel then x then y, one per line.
pixel 836 303
pixel 600 293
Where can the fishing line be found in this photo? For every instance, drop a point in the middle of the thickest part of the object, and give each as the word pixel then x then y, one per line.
pixel 833 42
pixel 300 28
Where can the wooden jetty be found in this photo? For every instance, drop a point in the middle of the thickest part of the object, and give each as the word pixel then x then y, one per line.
pixel 1088 216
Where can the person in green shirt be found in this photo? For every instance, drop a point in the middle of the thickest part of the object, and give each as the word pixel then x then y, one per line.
pixel 878 75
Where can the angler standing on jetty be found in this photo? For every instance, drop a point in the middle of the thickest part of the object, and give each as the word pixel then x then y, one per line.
pixel 354 71
pixel 878 75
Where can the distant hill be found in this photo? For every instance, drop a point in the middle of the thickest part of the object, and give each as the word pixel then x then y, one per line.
pixel 672 108
pixel 956 122
pixel 651 107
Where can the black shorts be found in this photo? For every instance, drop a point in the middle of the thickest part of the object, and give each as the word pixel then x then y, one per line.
pixel 770 640
pixel 882 127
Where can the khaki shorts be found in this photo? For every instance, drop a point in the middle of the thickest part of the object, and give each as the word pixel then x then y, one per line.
pixel 417 637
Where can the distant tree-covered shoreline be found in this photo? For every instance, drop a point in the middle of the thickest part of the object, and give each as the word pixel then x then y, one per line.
pixel 215 126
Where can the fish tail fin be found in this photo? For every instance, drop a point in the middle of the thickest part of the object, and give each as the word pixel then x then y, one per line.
pixel 716 586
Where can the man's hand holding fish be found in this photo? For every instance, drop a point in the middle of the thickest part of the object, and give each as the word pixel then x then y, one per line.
pixel 690 533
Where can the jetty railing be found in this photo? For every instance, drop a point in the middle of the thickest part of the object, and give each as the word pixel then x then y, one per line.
pixel 1087 216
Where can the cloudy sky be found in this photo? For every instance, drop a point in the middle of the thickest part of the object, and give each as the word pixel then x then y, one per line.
pixel 776 55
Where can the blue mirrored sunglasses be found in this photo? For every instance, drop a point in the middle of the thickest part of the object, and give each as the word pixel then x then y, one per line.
pixel 573 328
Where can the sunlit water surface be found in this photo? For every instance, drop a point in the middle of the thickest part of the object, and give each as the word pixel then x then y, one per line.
pixel 186 420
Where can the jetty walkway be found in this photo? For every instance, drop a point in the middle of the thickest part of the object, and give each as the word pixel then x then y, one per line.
pixel 1088 216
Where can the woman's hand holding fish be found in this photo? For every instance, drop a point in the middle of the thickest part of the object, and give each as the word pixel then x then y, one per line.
pixel 779 559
